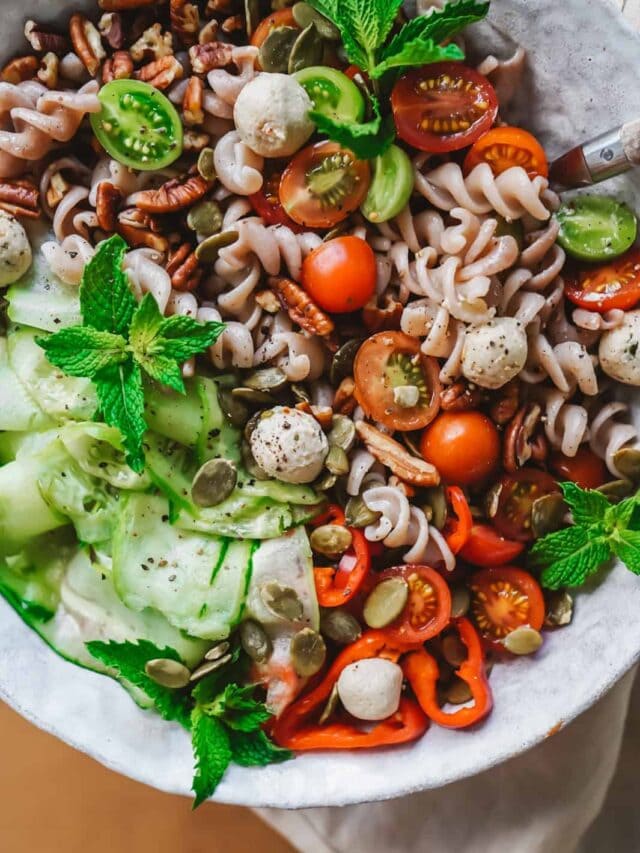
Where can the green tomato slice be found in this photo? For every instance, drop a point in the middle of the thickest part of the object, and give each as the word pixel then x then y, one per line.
pixel 137 125
pixel 332 93
pixel 391 186
pixel 596 227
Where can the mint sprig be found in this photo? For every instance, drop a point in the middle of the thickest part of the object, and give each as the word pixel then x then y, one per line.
pixel 600 530
pixel 119 339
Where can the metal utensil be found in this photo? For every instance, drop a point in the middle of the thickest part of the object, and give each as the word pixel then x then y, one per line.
pixel 609 154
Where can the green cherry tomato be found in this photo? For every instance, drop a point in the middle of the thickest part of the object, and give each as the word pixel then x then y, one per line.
pixel 391 185
pixel 137 125
pixel 596 227
pixel 332 93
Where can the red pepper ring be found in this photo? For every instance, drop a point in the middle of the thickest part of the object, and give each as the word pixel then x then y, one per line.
pixel 331 587
pixel 422 672
pixel 294 731
pixel 458 530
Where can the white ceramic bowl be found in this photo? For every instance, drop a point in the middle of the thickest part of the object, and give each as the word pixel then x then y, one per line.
pixel 581 56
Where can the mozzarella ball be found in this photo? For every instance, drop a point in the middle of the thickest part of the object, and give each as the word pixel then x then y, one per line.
pixel 370 689
pixel 15 249
pixel 289 445
pixel 619 355
pixel 272 115
pixel 494 352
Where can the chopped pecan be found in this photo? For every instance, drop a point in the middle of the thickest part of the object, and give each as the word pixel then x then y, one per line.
pixel 300 307
pixel 19 198
pixel 460 397
pixel 111 29
pixel 160 73
pixel 20 69
pixel 522 439
pixel 382 319
pixel 108 198
pixel 185 20
pixel 44 42
pixel 123 5
pixel 138 228
pixel 58 188
pixel 232 24
pixel 192 111
pixel 117 67
pixel 176 194
pixel 209 32
pixel 183 268
pixel 152 44
pixel 219 7
pixel 193 141
pixel 385 449
pixel 206 57
pixel 323 414
pixel 507 403
pixel 48 71
pixel 268 301
pixel 344 401
pixel 86 42
pixel 407 490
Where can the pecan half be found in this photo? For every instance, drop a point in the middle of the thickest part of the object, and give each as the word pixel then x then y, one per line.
pixel 193 141
pixel 19 198
pixel 522 440
pixel 138 228
pixel 44 42
pixel 268 301
pixel 19 69
pixel 415 471
pixel 86 42
pixel 108 198
pixel 183 268
pixel 152 44
pixel 111 29
pixel 460 397
pixel 123 5
pixel 382 319
pixel 344 401
pixel 300 307
pixel 185 20
pixel 206 57
pixel 160 73
pixel 48 71
pixel 192 111
pixel 117 67
pixel 507 404
pixel 176 194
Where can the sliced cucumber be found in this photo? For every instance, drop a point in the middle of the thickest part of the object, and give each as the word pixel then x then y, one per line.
pixel 42 301
pixel 197 582
pixel 239 518
pixel 18 410
pixel 171 467
pixel 173 415
pixel 97 448
pixel 218 437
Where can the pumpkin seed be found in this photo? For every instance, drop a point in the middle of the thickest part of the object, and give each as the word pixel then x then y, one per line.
pixel 207 251
pixel 547 514
pixel 217 651
pixel 325 482
pixel 250 464
pixel 492 500
pixel 167 672
pixel 210 666
pixel 308 652
pixel 342 227
pixel 304 15
pixel 308 50
pixel 453 650
pixel 342 433
pixel 330 707
pixel 251 15
pixel 205 164
pixel 214 482
pixel 282 601
pixel 385 602
pixel 300 392
pixel 330 540
pixel 205 218
pixel 559 609
pixel 627 461
pixel 276 49
pixel 342 364
pixel 255 641
pixel 458 692
pixel 524 640
pixel 269 379
pixel 337 461
pixel 340 626
pixel 234 409
pixel 357 513
pixel 252 397
pixel 460 601
pixel 436 499
pixel 617 490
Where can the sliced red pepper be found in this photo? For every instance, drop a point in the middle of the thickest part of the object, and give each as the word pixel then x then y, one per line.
pixel 335 586
pixel 422 672
pixel 457 530
pixel 296 728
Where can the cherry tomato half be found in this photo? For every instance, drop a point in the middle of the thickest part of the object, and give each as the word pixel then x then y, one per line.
pixel 340 275
pixel 137 125
pixel 266 203
pixel 486 547
pixel 503 599
pixel 323 184
pixel 505 147
pixel 616 285
pixel 517 493
pixel 444 106
pixel 281 18
pixel 585 468
pixel 428 608
pixel 463 446
pixel 389 360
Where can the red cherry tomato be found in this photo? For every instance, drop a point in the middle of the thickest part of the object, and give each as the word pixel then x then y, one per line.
pixel 428 608
pixel 505 147
pixel 503 599
pixel 614 285
pixel 486 547
pixel 517 493
pixel 444 106
pixel 463 446
pixel 585 468
pixel 266 203
pixel 340 275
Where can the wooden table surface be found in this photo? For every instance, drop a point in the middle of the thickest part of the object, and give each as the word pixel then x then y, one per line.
pixel 56 800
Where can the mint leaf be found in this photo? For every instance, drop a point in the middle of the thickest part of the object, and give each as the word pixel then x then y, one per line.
pixel 121 399
pixel 571 555
pixel 212 753
pixel 106 300
pixel 370 21
pixel 129 660
pixel 83 351
pixel 145 325
pixel 237 708
pixel 367 141
pixel 623 515
pixel 587 506
pixel 417 52
pixel 255 749
pixel 625 544
pixel 182 337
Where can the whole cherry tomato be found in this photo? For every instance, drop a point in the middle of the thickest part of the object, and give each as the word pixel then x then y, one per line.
pixel 463 446
pixel 340 275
